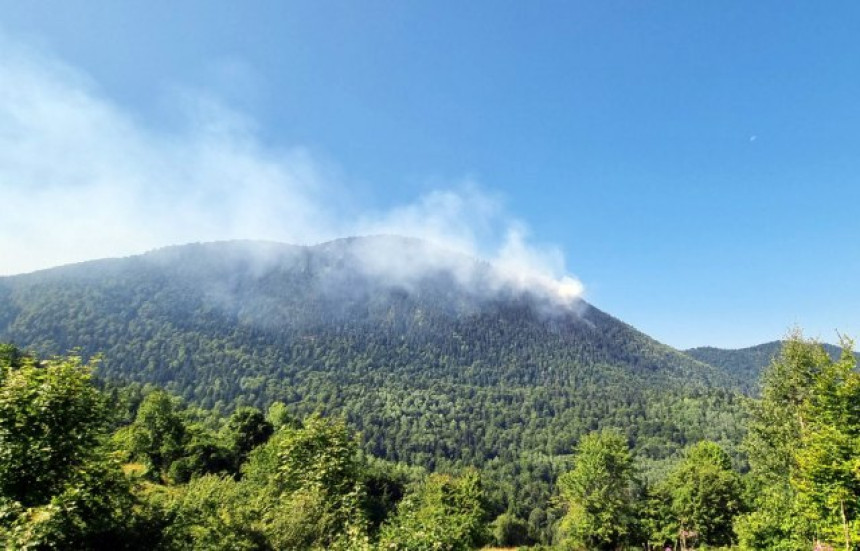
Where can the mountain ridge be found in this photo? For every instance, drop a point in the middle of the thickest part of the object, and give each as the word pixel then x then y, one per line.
pixel 430 371
pixel 747 363
pixel 231 264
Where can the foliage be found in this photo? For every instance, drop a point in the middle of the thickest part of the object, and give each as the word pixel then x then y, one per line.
pixel 444 512
pixel 510 531
pixel 827 474
pixel 278 415
pixel 436 375
pixel 246 429
pixel 311 480
pixel 58 486
pixel 211 513
pixel 51 418
pixel 158 433
pixel 803 444
pixel 599 493
pixel 706 495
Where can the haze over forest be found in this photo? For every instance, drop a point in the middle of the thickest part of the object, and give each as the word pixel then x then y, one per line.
pixel 670 169
pixel 450 276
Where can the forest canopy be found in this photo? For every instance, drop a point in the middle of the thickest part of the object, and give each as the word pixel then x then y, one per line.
pixel 88 465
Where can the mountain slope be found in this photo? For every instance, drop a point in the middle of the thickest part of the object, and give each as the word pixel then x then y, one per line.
pixel 746 364
pixel 435 357
pixel 260 290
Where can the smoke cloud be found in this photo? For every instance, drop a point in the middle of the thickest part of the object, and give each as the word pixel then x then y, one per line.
pixel 82 178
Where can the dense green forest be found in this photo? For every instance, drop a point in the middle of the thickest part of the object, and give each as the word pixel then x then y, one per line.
pixel 84 465
pixel 208 360
pixel 428 371
pixel 747 364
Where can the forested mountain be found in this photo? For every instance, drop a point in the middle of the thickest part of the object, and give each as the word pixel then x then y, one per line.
pixel 438 360
pixel 746 364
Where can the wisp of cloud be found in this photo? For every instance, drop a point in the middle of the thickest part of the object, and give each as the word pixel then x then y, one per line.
pixel 82 178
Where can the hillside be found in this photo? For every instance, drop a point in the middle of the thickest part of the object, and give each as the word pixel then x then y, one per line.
pixel 433 356
pixel 746 364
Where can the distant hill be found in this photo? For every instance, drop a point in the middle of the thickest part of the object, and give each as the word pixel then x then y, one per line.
pixel 437 358
pixel 746 364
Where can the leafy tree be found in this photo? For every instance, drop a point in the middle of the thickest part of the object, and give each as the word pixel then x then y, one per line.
pixel 658 526
pixel 444 512
pixel 158 434
pixel 246 429
pixel 705 495
pixel 827 477
pixel 599 493
pixel 322 455
pixel 279 416
pixel 51 421
pixel 94 509
pixel 59 488
pixel 510 530
pixel 384 485
pixel 801 447
pixel 203 453
pixel 211 513
pixel 311 478
pixel 11 357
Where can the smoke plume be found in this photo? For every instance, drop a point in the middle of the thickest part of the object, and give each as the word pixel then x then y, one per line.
pixel 81 177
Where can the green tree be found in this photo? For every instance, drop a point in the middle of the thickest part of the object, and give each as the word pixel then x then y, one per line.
pixel 158 434
pixel 444 512
pixel 799 446
pixel 51 421
pixel 311 479
pixel 246 429
pixel 322 455
pixel 658 526
pixel 510 530
pixel 203 453
pixel 59 488
pixel 599 493
pixel 705 495
pixel 11 357
pixel 827 477
pixel 279 416
pixel 211 513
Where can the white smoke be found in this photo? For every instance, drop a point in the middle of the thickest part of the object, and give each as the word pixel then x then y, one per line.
pixel 82 178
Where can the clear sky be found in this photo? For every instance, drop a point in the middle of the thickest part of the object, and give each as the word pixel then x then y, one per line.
pixel 697 164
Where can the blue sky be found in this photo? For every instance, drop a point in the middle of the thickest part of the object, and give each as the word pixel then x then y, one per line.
pixel 695 163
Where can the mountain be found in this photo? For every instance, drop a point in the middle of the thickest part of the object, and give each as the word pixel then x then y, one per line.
pixel 437 358
pixel 746 364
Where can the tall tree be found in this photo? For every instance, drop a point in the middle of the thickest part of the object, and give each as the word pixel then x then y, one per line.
pixel 800 447
pixel 827 478
pixel 246 429
pixel 599 493
pixel 705 495
pixel 310 476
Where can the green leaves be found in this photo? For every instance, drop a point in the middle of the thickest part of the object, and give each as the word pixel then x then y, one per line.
pixel 599 493
pixel 158 434
pixel 706 494
pixel 827 473
pixel 443 513
pixel 51 419
pixel 58 486
pixel 804 444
